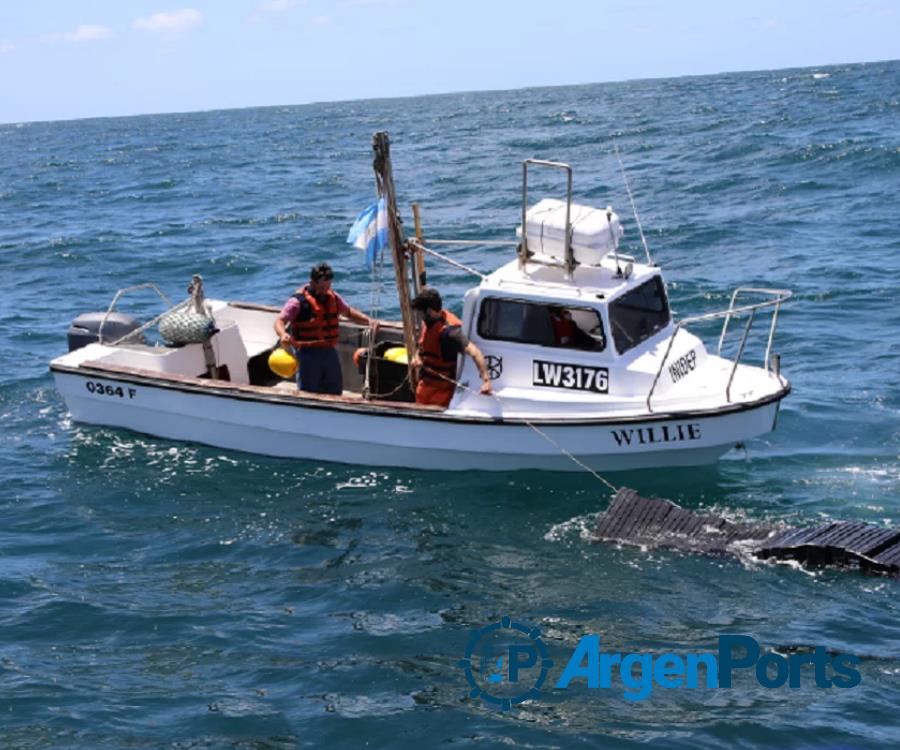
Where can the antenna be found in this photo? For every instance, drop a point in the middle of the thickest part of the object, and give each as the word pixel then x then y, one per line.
pixel 633 206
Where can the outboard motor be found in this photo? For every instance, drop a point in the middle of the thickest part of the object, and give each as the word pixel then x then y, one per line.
pixel 85 329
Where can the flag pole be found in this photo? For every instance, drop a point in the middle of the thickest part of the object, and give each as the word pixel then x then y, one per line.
pixel 384 177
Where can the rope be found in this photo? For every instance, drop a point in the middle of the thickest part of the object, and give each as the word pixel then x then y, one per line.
pixel 394 391
pixel 633 206
pixel 419 246
pixel 300 345
pixel 570 455
pixel 472 242
pixel 374 309
pixel 196 299
pixel 153 322
pixel 540 432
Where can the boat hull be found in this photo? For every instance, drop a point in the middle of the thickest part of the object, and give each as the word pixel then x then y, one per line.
pixel 294 428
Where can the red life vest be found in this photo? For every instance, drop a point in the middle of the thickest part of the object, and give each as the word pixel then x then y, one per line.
pixel 321 330
pixel 563 330
pixel 433 363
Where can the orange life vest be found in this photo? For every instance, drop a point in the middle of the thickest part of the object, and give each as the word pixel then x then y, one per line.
pixel 321 330
pixel 433 363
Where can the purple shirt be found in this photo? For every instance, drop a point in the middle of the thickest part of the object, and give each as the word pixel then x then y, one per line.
pixel 292 307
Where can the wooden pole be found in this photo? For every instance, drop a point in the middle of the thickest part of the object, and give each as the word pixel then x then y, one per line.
pixel 385 178
pixel 420 278
pixel 209 356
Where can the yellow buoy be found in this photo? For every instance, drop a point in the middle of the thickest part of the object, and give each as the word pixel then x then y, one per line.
pixel 282 363
pixel 397 354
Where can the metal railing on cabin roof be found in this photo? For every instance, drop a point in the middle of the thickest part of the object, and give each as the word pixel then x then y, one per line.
pixel 778 296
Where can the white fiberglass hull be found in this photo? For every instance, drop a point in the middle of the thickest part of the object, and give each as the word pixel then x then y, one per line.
pixel 291 427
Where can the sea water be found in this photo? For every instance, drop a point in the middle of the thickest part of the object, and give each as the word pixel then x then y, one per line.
pixel 156 594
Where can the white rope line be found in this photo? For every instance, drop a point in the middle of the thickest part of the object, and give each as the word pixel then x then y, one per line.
pixel 419 246
pixel 633 206
pixel 432 241
pixel 377 286
pixel 152 322
pixel 570 455
pixel 541 433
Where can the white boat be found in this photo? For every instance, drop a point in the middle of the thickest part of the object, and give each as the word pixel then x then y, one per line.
pixel 633 389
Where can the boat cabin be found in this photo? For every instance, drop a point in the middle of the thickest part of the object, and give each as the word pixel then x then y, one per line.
pixel 597 333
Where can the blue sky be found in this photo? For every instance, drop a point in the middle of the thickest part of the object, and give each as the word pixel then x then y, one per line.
pixel 64 59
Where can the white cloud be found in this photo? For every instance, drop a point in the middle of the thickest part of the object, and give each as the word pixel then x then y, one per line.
pixel 6 47
pixel 320 20
pixel 174 22
pixel 84 33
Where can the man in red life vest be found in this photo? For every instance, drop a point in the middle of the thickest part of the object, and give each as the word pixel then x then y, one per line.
pixel 566 332
pixel 440 343
pixel 309 324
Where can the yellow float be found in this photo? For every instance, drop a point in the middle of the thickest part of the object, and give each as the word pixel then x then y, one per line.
pixel 397 354
pixel 283 363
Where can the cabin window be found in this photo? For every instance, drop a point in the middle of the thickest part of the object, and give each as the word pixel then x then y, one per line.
pixel 638 314
pixel 559 326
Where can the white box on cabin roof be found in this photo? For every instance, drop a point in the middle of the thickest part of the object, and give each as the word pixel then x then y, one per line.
pixel 594 235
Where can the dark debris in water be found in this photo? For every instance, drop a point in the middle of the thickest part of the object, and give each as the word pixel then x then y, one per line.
pixel 659 523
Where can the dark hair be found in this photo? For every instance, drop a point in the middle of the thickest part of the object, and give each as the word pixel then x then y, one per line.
pixel 428 298
pixel 321 271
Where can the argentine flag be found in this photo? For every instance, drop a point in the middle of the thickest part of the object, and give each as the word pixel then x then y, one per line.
pixel 369 232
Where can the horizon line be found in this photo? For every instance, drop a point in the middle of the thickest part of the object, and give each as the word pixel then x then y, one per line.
pixel 446 93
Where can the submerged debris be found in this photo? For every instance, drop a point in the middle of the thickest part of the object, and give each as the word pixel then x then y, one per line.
pixel 660 523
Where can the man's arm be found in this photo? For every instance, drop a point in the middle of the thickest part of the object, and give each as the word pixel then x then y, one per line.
pixel 358 317
pixel 351 312
pixel 290 312
pixel 281 329
pixel 475 353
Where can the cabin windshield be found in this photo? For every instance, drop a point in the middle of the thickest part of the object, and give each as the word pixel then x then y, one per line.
pixel 638 314
pixel 541 324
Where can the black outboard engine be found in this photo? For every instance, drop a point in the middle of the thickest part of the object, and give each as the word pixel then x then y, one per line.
pixel 85 329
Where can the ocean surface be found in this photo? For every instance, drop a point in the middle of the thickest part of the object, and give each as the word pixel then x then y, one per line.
pixel 155 594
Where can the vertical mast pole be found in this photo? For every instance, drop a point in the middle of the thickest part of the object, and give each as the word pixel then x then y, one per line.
pixel 385 178
pixel 419 277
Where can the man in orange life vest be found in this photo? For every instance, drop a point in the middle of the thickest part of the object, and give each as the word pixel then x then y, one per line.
pixel 441 342
pixel 309 323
